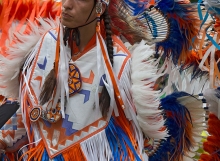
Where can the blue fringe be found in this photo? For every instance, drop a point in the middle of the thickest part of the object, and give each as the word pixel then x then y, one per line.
pixel 4 157
pixel 176 123
pixel 45 157
pixel 118 141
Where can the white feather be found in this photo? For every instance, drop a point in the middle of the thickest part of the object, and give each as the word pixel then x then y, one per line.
pixel 17 53
pixel 146 100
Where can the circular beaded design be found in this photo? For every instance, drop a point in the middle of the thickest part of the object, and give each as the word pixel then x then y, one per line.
pixel 35 114
pixel 74 81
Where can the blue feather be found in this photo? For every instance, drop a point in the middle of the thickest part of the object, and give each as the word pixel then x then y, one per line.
pixel 174 43
pixel 177 39
pixel 135 8
pixel 176 122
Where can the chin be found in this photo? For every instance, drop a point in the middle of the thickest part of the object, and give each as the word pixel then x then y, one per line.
pixel 67 23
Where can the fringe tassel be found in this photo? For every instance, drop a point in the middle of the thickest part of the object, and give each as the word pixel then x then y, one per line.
pixel 35 152
pixel 127 127
pixel 121 146
pixel 97 148
pixel 130 111
pixel 8 157
pixel 75 153
pixel 39 153
pixel 45 157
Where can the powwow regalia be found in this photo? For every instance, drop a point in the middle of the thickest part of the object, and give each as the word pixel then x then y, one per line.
pixel 162 80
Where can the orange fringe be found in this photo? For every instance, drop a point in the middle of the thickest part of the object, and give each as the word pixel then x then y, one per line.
pixel 34 153
pixel 122 121
pixel 75 153
pixel 11 156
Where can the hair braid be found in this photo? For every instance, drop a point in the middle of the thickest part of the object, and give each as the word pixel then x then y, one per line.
pixel 104 97
pixel 108 32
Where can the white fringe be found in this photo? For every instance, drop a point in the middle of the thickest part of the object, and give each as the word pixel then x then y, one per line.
pixel 130 111
pixel 62 90
pixel 96 148
pixel 24 43
pixel 146 100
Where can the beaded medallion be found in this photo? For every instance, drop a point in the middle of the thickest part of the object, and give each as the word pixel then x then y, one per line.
pixel 74 81
pixel 35 114
pixel 51 115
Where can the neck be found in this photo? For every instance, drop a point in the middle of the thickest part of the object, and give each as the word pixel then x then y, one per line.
pixel 86 33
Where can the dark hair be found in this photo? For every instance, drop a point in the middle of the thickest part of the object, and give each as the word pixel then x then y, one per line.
pixel 104 100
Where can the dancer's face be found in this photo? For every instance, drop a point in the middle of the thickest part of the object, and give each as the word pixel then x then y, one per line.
pixel 76 12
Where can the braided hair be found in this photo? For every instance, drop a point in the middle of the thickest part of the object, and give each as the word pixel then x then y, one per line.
pixel 104 100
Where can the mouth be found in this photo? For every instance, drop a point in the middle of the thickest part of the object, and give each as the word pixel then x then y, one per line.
pixel 66 15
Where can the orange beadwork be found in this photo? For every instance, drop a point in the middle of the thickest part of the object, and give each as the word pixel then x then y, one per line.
pixel 35 114
pixel 75 81
pixel 54 115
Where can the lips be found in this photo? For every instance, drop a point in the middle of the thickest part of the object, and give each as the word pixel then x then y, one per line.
pixel 66 15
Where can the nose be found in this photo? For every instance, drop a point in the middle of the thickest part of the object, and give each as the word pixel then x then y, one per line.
pixel 67 4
